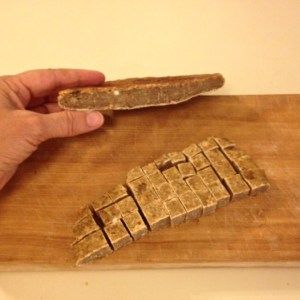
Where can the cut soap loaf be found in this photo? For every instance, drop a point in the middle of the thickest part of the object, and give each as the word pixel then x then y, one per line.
pixel 175 188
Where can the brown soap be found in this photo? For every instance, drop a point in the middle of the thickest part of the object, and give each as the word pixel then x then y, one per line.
pixel 176 211
pixel 83 213
pixel 179 186
pixel 191 150
pixel 237 187
pixel 143 191
pixel 192 205
pixel 127 205
pixel 118 192
pixel 215 155
pixel 220 193
pixel 132 93
pixel 257 180
pixel 156 179
pixel 176 187
pixel 223 169
pixel 202 191
pixel 199 161
pixel 195 183
pixel 165 191
pixel 176 158
pixel 208 175
pixel 218 159
pixel 91 247
pixel 150 168
pixel 135 225
pixel 186 170
pixel 208 144
pixel 233 153
pixel 139 186
pixel 245 163
pixel 147 197
pixel 85 227
pixel 163 162
pixel 134 174
pixel 171 174
pixel 156 215
pixel 224 143
pixel 209 202
pixel 101 202
pixel 117 234
pixel 220 163
pixel 109 214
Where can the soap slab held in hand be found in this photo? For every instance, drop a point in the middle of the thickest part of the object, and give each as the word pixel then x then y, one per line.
pixel 139 92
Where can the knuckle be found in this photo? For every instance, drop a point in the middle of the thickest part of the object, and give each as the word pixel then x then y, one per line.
pixel 34 128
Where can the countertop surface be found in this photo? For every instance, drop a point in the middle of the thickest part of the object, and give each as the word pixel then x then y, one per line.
pixel 255 45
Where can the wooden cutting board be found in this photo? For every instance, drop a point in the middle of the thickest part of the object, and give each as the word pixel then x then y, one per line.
pixel 37 208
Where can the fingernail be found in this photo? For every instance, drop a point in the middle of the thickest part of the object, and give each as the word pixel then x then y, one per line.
pixel 94 119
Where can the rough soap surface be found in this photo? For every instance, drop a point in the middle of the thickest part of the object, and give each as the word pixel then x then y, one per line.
pixel 139 92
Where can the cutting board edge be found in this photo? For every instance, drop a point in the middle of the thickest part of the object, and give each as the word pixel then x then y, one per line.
pixel 145 266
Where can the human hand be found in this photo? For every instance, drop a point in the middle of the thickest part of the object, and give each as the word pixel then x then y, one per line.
pixel 30 115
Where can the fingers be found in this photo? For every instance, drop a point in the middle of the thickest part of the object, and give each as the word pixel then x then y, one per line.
pixel 40 83
pixel 47 108
pixel 70 123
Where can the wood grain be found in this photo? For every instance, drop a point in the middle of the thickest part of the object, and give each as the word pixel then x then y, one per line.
pixel 38 206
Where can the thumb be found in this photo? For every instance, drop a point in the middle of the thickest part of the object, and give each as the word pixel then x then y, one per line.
pixel 70 123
